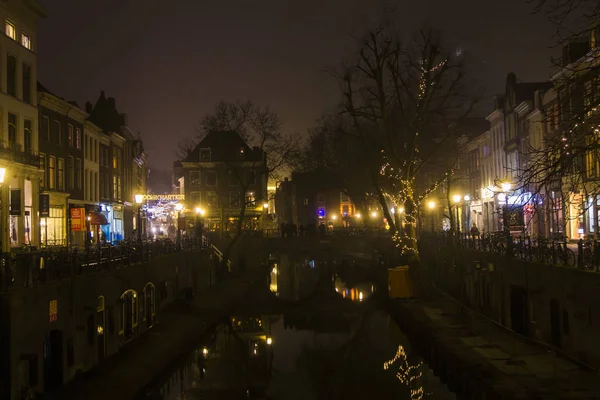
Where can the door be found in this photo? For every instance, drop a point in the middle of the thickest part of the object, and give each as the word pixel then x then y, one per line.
pixel 53 361
pixel 555 323
pixel 518 309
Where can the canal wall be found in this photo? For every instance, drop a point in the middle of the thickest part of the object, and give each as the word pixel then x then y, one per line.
pixel 56 330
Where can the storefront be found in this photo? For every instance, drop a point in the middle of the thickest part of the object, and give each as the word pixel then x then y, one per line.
pixel 53 219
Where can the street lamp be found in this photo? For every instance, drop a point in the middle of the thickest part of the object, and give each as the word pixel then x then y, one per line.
pixel 467 199
pixel 456 198
pixel 139 199
pixel 431 204
pixel 178 208
pixel 199 213
pixel 506 188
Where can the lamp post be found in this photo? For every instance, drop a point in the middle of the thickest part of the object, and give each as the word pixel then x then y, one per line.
pixel 4 212
pixel 467 199
pixel 178 208
pixel 199 213
pixel 506 188
pixel 456 198
pixel 265 215
pixel 431 205
pixel 139 199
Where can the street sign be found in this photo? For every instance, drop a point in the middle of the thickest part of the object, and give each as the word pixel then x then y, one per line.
pixel 164 197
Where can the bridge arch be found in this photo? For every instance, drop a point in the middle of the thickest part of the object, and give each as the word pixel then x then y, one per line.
pixel 149 304
pixel 129 313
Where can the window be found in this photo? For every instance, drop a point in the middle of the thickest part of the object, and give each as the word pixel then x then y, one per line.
pixel 344 198
pixel 305 202
pixel 250 178
pixel 85 148
pixel 52 172
pixel 12 130
pixel 234 199
pixel 70 135
pixel 11 75
pixel 26 83
pixel 102 192
pixel 60 184
pixel 233 179
pixel 45 128
pixel 211 178
pixel 78 173
pixel 55 132
pixel 78 138
pixel 204 154
pixel 195 198
pixel 71 172
pixel 43 168
pixel 250 199
pixel 11 30
pixel 195 178
pixel 116 161
pixel 25 40
pixel 211 199
pixel 117 188
pixel 27 136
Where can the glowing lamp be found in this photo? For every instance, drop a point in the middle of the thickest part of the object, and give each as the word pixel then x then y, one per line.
pixel 401 210
pixel 506 186
pixel 2 174
pixel 334 217
pixel 467 198
pixel 431 204
pixel 139 198
pixel 374 214
pixel 178 207
pixel 265 205
pixel 357 215
pixel 269 341
pixel 456 198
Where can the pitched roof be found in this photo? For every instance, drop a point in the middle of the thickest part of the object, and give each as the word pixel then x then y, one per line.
pixel 224 146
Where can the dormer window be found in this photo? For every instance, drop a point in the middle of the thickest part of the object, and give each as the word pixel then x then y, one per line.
pixel 204 154
pixel 11 30
pixel 241 153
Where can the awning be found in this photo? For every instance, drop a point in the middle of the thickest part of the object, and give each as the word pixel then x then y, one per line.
pixel 97 218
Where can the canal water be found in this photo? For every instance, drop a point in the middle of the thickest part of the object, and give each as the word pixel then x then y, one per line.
pixel 316 333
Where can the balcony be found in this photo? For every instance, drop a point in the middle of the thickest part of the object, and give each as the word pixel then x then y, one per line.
pixel 15 153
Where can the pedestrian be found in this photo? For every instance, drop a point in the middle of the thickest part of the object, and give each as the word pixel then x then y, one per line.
pixel 474 231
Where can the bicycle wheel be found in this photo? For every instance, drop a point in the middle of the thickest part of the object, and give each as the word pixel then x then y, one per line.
pixel 568 258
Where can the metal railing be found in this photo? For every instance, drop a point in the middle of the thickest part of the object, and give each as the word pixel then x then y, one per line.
pixel 30 268
pixel 583 254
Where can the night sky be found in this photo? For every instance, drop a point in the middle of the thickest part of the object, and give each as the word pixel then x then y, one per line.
pixel 168 62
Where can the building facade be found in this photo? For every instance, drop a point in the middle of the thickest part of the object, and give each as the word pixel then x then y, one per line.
pixel 220 175
pixel 61 152
pixel 18 124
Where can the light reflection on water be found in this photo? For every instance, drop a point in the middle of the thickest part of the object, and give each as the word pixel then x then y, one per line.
pixel 336 347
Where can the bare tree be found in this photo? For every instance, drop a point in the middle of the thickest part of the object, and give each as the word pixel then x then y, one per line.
pixel 271 150
pixel 405 102
pixel 184 147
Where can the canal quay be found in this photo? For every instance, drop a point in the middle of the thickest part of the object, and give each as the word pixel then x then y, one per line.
pixel 312 329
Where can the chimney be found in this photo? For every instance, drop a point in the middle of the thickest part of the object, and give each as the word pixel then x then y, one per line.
pixel 88 107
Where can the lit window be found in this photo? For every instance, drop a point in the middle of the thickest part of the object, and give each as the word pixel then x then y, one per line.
pixel 11 30
pixel 25 41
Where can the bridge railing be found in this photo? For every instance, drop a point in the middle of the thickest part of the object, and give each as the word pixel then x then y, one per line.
pixel 30 268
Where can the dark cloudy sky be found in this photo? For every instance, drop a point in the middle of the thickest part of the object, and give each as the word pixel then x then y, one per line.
pixel 168 62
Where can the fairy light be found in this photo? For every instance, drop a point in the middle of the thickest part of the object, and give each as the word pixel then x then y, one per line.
pixel 409 375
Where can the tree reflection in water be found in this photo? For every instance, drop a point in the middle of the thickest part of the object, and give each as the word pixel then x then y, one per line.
pixel 408 374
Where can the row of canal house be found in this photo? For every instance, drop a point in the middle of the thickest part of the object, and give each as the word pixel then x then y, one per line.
pixel 56 157
pixel 524 120
pixel 90 160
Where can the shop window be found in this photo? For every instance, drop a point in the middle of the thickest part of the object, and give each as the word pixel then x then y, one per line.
pixel 250 199
pixel 28 202
pixel 52 228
